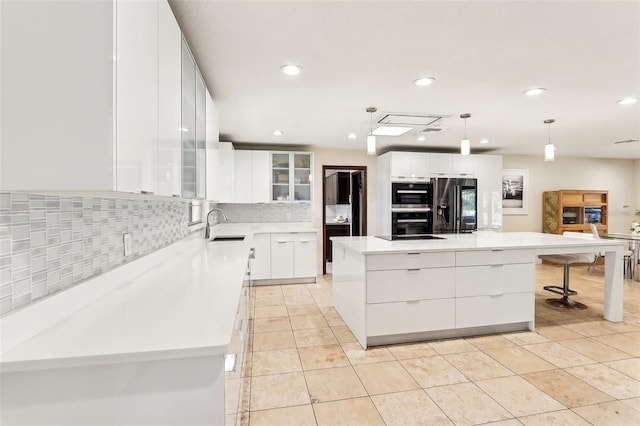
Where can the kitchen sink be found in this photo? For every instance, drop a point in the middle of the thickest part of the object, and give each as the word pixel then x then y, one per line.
pixel 228 238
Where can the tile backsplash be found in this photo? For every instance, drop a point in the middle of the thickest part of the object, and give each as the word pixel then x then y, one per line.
pixel 52 242
pixel 335 210
pixel 268 212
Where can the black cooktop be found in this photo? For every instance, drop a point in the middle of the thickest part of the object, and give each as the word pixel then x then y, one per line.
pixel 409 237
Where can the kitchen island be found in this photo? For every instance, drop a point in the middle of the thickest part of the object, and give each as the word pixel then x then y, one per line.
pixel 462 285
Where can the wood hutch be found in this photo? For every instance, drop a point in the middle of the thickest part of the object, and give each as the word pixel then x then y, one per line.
pixel 574 210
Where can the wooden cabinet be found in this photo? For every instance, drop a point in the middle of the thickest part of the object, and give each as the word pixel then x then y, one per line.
pixel 338 188
pixel 574 210
pixel 335 230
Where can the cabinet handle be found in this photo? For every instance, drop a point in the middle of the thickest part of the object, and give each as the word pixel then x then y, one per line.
pixel 413 301
pixel 496 294
pixel 413 270
pixel 304 241
pixel 229 363
pixel 497 266
pixel 282 242
pixel 497 249
pixel 413 254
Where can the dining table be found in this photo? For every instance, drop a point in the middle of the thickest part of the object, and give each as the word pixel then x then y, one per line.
pixel 634 245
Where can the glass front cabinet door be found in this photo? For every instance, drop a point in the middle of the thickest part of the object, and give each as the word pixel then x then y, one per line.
pixel 291 176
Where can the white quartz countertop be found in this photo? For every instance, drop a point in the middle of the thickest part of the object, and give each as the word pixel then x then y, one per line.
pixel 472 241
pixel 177 302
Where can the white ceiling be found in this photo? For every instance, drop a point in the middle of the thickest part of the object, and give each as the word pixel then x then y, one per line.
pixel 483 55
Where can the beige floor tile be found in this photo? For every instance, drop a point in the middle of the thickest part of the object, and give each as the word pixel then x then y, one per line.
pixel 620 327
pixel 490 342
pixel 621 342
pixel 593 349
pixel 343 334
pixel 303 310
pixel 630 367
pixel 555 418
pixel 519 360
pixel 268 291
pixel 319 288
pixel 278 390
pixel 385 377
pixel 510 392
pixel 275 362
pixel 323 300
pixel 332 384
pixel 635 335
pixel 270 312
pixel 588 328
pixel 295 290
pixel 412 350
pixel 314 337
pixel 232 395
pixel 357 355
pixel 633 403
pixel 301 415
pixel 299 322
pixel 614 413
pixel 317 357
pixel 454 346
pixel 608 380
pixel 477 366
pixel 413 408
pixel 327 310
pixel 334 320
pixel 525 338
pixel 433 371
pixel 566 389
pixel 264 325
pixel 262 302
pixel 273 340
pixel 557 332
pixel 508 422
pixel 299 300
pixel 466 404
pixel 351 412
pixel 558 355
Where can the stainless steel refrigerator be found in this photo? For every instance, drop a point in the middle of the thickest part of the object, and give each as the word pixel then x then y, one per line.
pixel 455 205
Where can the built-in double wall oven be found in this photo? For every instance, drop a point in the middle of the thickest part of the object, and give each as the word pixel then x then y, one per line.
pixel 411 213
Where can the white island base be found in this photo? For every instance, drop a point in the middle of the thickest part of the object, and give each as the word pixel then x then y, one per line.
pixel 465 285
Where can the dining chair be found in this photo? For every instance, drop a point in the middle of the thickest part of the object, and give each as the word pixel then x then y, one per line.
pixel 628 257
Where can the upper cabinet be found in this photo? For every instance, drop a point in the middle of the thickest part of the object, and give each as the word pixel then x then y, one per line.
pixel 409 165
pixel 291 176
pixel 251 172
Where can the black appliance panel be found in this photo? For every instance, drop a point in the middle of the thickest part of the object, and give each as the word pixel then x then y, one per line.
pixel 410 195
pixel 411 223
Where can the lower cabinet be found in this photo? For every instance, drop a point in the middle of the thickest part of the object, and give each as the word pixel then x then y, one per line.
pixel 410 317
pixel 340 230
pixel 285 256
pixel 261 265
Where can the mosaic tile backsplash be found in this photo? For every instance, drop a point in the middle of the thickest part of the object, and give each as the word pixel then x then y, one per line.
pixel 274 212
pixel 49 242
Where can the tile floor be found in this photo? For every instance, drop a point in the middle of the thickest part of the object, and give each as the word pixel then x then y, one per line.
pixel 305 367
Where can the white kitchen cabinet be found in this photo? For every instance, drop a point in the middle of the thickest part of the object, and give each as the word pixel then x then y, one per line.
pixel 281 256
pixel 462 165
pixel 261 264
pixel 251 176
pixel 201 134
pixel 441 164
pixel 409 165
pixel 304 255
pixel 242 177
pixel 220 173
pixel 488 171
pixel 293 255
pixel 169 102
pixel 291 176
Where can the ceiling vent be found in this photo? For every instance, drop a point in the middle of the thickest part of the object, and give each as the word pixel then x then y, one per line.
pixel 411 120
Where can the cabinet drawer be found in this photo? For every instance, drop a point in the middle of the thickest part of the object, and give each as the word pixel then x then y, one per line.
pixel 410 284
pixel 381 262
pixel 304 237
pixel 410 317
pixel 494 257
pixel 491 280
pixel 492 310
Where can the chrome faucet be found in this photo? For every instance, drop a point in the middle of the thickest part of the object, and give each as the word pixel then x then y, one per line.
pixel 207 230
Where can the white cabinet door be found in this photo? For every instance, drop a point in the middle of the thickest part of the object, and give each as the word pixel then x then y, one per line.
pixel 260 170
pixel 261 265
pixel 242 177
pixel 488 169
pixel 463 165
pixel 304 255
pixel 491 310
pixel 420 165
pixel 281 256
pixel 401 165
pixel 410 317
pixel 169 107
pixel 220 173
pixel 441 164
pixel 137 96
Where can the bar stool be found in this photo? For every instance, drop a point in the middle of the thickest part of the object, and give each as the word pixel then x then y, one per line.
pixel 567 260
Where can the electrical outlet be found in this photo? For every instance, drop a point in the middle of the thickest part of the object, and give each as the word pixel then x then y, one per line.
pixel 288 216
pixel 127 244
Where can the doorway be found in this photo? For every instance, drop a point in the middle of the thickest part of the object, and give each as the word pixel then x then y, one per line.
pixel 344 206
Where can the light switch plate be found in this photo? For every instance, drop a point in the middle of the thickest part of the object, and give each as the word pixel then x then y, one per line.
pixel 127 244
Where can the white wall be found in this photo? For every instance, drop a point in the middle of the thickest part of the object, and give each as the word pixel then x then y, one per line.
pixel 620 177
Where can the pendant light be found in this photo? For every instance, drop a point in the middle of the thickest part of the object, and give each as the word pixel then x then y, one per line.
pixel 465 144
pixel 549 149
pixel 371 139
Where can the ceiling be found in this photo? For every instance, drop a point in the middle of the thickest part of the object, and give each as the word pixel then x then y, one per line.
pixel 482 54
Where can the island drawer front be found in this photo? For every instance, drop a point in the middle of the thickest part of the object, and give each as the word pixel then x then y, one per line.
pixel 492 280
pixel 382 262
pixel 493 310
pixel 410 317
pixel 494 257
pixel 293 236
pixel 410 284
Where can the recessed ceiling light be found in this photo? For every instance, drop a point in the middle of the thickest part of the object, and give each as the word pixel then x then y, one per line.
pixel 628 101
pixel 277 132
pixel 483 141
pixel 424 81
pixel 535 91
pixel 351 136
pixel 422 138
pixel 291 69
pixel 390 131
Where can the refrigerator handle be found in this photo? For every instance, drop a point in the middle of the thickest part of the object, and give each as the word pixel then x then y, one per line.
pixel 457 199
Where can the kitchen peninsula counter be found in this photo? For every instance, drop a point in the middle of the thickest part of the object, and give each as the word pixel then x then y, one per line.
pixel 462 285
